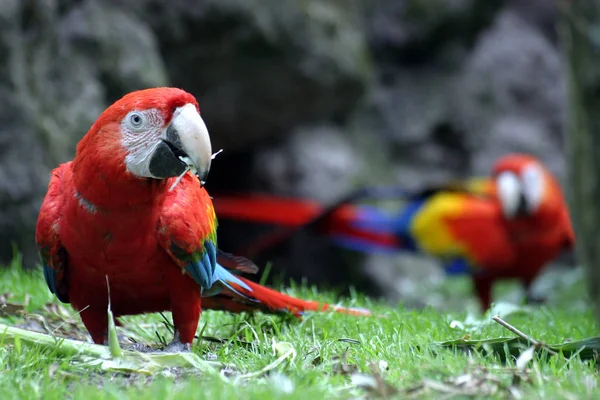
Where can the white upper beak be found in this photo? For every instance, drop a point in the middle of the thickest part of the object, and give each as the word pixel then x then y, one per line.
pixel 533 186
pixel 194 137
pixel 514 189
pixel 509 192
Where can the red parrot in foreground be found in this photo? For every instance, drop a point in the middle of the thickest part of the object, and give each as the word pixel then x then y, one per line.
pixel 129 210
pixel 507 226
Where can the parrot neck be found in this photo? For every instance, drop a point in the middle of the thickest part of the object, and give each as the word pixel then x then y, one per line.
pixel 113 187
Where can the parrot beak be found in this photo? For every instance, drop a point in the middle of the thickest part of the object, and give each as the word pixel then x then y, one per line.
pixel 521 194
pixel 533 178
pixel 511 195
pixel 185 145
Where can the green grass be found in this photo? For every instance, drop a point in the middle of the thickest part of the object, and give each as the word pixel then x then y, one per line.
pixel 330 348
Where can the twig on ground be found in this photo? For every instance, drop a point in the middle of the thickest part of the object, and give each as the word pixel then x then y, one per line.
pixel 517 332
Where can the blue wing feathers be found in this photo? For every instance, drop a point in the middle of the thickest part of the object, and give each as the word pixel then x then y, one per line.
pixel 211 250
pixel 378 221
pixel 50 277
pixel 207 271
pixel 362 245
pixel 375 220
pixel 457 266
pixel 198 273
pixel 203 270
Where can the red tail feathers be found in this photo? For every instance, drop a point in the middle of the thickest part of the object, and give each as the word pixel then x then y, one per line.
pixel 293 214
pixel 266 209
pixel 274 210
pixel 237 298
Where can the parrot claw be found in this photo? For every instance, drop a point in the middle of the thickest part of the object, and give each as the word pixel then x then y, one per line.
pixel 177 347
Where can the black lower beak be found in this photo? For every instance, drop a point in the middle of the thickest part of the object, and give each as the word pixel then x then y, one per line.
pixel 168 158
pixel 202 175
pixel 522 210
pixel 166 162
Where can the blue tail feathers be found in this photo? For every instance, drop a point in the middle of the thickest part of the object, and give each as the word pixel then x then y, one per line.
pixel 223 277
pixel 371 219
pixel 457 266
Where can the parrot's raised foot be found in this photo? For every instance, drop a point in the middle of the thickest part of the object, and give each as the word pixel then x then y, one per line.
pixel 177 347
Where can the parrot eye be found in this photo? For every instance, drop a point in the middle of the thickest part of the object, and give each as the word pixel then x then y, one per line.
pixel 136 120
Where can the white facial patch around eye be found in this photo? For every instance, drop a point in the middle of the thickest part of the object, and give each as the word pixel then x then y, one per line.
pixel 533 186
pixel 141 141
pixel 509 192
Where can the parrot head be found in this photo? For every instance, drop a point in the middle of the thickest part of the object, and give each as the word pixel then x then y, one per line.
pixel 527 188
pixel 524 185
pixel 157 132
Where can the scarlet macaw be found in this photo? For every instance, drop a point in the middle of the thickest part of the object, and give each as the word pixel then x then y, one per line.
pixel 507 226
pixel 129 211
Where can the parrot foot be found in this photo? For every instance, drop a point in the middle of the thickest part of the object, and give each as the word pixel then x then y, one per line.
pixel 176 346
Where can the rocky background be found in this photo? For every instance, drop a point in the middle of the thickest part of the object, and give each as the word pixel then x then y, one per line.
pixel 307 97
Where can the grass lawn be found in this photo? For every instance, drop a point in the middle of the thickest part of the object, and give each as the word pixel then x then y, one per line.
pixel 336 356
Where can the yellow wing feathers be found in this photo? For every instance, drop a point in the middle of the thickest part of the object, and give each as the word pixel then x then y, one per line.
pixel 431 225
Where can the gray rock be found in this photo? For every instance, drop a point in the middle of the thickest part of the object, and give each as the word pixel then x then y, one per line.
pixel 518 133
pixel 9 10
pixel 417 175
pixel 397 276
pixel 415 31
pixel 314 162
pixel 58 68
pixel 417 101
pixel 513 85
pixel 412 117
pixel 260 68
pixel 122 47
pixel 541 14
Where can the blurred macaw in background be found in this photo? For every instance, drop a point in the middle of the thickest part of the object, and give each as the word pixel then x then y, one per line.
pixel 507 226
pixel 129 219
